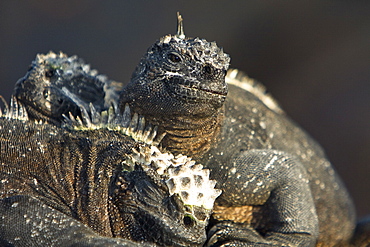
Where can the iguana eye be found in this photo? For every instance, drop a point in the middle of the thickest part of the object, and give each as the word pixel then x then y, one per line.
pixel 188 221
pixel 174 57
pixel 208 69
pixel 49 73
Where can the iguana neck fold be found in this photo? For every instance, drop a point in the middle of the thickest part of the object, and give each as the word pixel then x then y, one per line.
pixel 190 135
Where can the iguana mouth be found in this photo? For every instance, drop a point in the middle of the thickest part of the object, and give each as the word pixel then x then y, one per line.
pixel 209 91
pixel 196 95
pixel 192 91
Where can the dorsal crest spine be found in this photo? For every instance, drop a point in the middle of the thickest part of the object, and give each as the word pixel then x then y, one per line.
pixel 15 110
pixel 126 123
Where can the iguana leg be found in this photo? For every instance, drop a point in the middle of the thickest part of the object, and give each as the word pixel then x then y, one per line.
pixel 278 183
pixel 26 221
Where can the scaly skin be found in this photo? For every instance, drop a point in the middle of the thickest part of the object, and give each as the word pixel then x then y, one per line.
pixel 261 159
pixel 278 187
pixel 57 84
pixel 94 186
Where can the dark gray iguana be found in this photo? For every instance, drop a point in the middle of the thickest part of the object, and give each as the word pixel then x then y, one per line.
pixel 249 144
pixel 278 187
pixel 56 85
pixel 92 184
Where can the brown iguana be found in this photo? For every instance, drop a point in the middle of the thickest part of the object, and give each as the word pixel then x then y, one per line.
pixel 279 189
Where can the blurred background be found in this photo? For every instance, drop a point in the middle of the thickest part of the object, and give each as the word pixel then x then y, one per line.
pixel 313 56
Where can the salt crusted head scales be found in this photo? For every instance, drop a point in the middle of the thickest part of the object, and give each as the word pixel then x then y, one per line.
pixel 198 49
pixel 180 75
pixel 57 84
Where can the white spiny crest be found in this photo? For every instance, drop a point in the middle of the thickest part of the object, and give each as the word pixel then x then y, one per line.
pixel 125 123
pixel 13 111
pixel 192 184
pixel 182 176
pixel 242 80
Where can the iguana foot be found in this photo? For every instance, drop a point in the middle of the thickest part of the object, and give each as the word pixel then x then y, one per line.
pixel 231 234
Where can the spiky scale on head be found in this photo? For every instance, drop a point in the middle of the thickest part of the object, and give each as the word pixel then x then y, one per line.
pixel 179 75
pixel 57 84
pixel 200 50
pixel 61 63
pixel 180 28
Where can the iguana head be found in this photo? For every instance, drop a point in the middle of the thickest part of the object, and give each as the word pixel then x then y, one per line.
pixel 56 84
pixel 152 213
pixel 179 76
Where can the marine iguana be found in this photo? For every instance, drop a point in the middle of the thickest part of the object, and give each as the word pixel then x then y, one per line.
pixel 56 85
pixel 279 189
pixel 91 184
pixel 264 109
